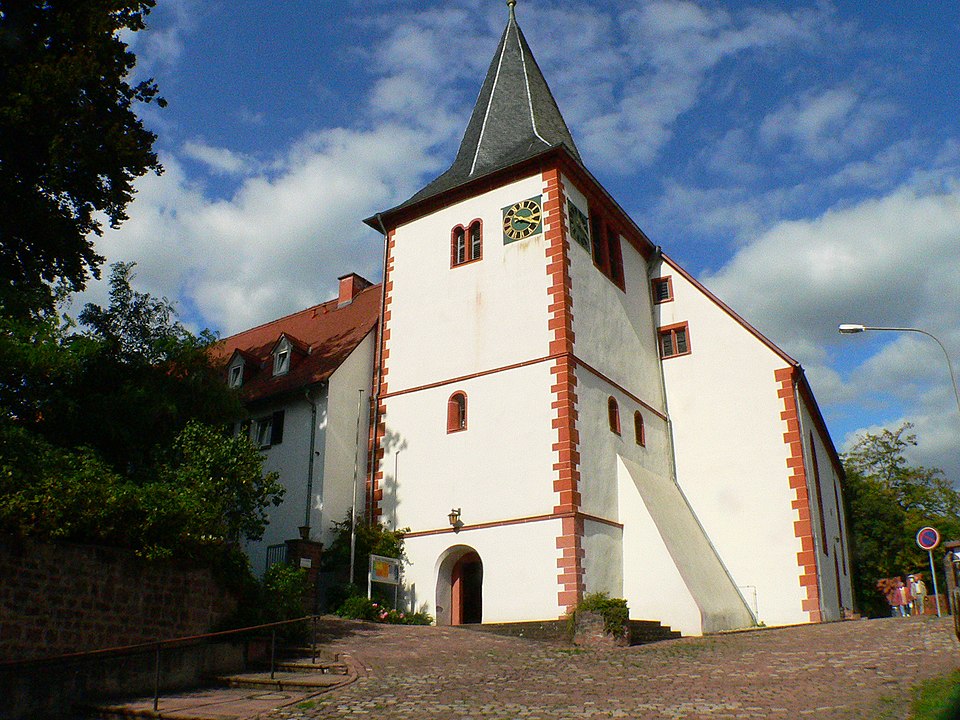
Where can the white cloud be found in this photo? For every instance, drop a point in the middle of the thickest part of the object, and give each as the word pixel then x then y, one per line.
pixel 888 261
pixel 667 49
pixel 281 241
pixel 826 125
pixel 220 161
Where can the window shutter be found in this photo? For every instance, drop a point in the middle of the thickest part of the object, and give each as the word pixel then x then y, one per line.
pixel 276 428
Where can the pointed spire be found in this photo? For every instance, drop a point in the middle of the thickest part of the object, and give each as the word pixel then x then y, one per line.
pixel 516 116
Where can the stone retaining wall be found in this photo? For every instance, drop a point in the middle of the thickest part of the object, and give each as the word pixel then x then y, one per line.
pixel 58 599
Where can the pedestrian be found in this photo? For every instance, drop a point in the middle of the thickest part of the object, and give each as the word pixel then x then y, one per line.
pixel 919 591
pixel 903 598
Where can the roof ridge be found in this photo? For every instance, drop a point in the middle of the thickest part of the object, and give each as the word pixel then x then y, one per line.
pixel 286 317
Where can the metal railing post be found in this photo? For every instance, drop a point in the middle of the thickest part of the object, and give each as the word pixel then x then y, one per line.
pixel 156 680
pixel 314 639
pixel 273 650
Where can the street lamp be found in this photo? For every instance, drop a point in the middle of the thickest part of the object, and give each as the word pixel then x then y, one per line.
pixel 851 329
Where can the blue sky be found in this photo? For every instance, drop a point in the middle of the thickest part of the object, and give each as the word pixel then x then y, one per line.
pixel 801 158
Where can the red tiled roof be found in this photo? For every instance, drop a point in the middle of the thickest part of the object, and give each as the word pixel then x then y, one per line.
pixel 328 333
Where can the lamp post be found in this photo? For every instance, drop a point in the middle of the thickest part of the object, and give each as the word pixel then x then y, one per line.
pixel 850 329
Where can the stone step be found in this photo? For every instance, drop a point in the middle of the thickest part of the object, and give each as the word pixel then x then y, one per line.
pixel 648 631
pixel 281 680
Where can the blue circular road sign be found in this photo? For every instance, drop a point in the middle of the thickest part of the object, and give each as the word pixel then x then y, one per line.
pixel 928 538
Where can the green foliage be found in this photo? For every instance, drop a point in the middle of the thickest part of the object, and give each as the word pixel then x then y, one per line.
pixel 71 144
pixel 371 539
pixel 937 699
pixel 359 607
pixel 285 587
pixel 212 493
pixel 888 501
pixel 613 610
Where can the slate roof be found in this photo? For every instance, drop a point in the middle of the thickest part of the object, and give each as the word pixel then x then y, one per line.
pixel 515 118
pixel 324 336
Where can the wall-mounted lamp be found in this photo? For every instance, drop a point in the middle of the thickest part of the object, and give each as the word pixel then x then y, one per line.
pixel 454 518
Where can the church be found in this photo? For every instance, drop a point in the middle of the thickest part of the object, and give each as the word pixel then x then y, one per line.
pixel 554 407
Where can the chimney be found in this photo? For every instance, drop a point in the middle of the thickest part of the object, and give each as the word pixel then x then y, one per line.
pixel 350 287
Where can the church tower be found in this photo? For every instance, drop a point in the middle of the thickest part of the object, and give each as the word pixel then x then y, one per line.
pixel 522 430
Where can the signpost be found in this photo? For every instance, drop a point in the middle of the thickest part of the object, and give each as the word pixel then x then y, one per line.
pixel 383 570
pixel 928 538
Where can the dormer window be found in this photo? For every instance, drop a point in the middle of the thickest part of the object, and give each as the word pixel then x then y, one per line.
pixel 236 375
pixel 281 357
pixel 281 362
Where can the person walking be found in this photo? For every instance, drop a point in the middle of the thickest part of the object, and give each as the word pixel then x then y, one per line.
pixel 919 591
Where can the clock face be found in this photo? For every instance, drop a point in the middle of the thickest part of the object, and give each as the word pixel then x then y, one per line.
pixel 522 219
pixel 579 228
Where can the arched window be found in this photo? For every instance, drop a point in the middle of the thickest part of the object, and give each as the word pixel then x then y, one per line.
pixel 613 415
pixel 638 429
pixel 457 412
pixel 466 243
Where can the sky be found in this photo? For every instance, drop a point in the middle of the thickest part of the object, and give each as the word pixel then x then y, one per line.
pixel 802 159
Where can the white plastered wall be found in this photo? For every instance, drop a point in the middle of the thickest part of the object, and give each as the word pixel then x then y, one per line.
pixel 614 329
pixel 341 454
pixel 448 322
pixel 730 453
pixel 519 570
pixel 499 468
pixel 288 459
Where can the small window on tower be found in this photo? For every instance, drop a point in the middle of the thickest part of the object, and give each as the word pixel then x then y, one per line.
pixel 662 289
pixel 638 429
pixel 466 243
pixel 674 341
pixel 613 415
pixel 457 412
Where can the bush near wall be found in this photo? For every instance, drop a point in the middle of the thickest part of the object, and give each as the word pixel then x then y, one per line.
pixel 60 598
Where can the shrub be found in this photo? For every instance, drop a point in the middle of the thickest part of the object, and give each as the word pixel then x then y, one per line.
pixel 360 608
pixel 614 612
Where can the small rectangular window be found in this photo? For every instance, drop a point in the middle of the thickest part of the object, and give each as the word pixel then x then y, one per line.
pixel 674 341
pixel 466 243
pixel 662 289
pixel 264 431
pixel 236 376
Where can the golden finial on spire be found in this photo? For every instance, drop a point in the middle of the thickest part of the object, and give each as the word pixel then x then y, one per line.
pixel 512 4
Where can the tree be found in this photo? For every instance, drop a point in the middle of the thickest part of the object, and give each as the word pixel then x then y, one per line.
pixel 70 142
pixel 210 494
pixel 888 502
pixel 113 432
pixel 125 382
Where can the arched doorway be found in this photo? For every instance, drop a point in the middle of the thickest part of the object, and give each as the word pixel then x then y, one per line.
pixel 460 587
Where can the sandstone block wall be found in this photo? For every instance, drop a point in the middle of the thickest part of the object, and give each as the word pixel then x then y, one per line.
pixel 58 599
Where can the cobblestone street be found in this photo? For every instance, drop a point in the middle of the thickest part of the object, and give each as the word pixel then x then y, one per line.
pixel 859 669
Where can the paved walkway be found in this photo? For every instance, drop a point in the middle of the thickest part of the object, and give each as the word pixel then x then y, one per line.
pixel 859 669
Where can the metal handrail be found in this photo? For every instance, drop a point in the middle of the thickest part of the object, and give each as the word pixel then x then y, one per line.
pixel 159 645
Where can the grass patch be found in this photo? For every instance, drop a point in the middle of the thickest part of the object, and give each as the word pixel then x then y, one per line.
pixel 308 705
pixel 937 699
